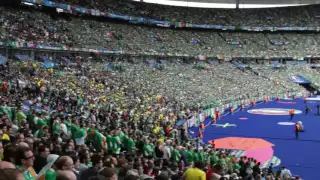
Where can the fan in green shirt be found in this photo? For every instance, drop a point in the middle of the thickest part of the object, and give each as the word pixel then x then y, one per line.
pixel 236 166
pixel 116 144
pixel 30 117
pixel 74 130
pixel 161 133
pixel 40 123
pixel 129 144
pixel 68 124
pixel 213 158
pixel 190 156
pixel 6 111
pixel 56 127
pixel 98 139
pixel 202 156
pixel 109 143
pixel 196 156
pixel 50 175
pixel 122 137
pixel 41 132
pixel 80 101
pixel 20 117
pixel 176 156
pixel 29 174
pixel 147 150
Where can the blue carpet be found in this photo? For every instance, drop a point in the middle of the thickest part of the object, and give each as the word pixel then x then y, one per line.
pixel 300 156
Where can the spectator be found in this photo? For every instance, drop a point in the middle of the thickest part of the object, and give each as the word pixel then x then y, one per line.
pixel 10 174
pixel 76 161
pixel 94 170
pixel 106 173
pixel 285 172
pixel 41 158
pixel 66 175
pixel 24 160
pixel 6 165
pixel 84 158
pixel 195 172
pixel 64 163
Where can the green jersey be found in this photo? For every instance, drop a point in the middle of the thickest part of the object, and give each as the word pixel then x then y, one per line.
pixel 147 150
pixel 129 144
pixel 74 130
pixel 176 156
pixel 189 156
pixel 196 157
pixel 109 143
pixel 50 175
pixel 21 116
pixel 116 144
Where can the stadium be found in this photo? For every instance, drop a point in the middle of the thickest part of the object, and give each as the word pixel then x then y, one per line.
pixel 159 89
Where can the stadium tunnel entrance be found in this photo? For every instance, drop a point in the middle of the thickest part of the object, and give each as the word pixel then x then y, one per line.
pixel 304 82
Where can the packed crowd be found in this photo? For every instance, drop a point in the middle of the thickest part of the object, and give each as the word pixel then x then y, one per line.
pixel 90 121
pixel 289 16
pixel 33 26
pixel 83 123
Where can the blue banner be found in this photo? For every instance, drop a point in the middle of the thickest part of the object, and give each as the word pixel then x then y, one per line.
pixel 298 79
pixel 276 64
pixel 48 65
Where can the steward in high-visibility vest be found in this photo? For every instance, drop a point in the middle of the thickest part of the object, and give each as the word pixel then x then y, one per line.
pixel 291 113
pixel 200 135
pixel 297 130
pixel 201 129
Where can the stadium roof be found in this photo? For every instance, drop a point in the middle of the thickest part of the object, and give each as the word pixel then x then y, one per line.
pixel 232 3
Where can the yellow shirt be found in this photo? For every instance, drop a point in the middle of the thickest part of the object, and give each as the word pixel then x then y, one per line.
pixel 5 137
pixel 194 174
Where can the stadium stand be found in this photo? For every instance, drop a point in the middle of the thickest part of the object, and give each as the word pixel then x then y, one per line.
pixel 118 114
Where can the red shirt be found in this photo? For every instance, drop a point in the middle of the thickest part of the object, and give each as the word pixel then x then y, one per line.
pixel 209 173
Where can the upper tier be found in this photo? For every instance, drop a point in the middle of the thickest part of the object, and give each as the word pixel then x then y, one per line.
pixel 300 16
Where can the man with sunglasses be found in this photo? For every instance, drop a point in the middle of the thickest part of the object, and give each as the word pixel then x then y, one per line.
pixel 24 161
